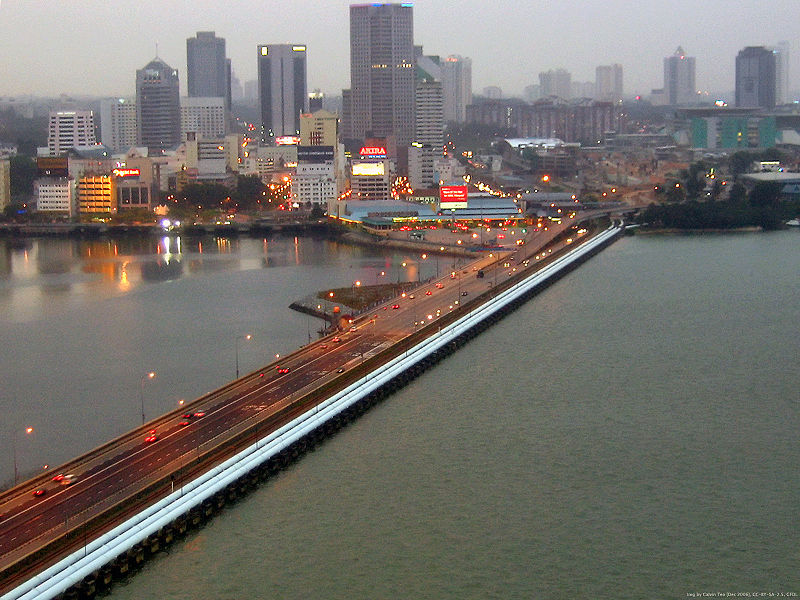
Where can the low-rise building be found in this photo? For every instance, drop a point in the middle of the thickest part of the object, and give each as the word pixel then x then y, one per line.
pixel 53 195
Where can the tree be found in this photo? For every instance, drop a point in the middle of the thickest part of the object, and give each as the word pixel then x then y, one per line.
pixel 739 162
pixel 765 194
pixel 23 173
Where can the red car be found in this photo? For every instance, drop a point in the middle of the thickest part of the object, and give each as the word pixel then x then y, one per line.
pixel 39 492
pixel 283 370
pixel 395 306
pixel 58 477
pixel 429 293
pixel 200 413
pixel 152 436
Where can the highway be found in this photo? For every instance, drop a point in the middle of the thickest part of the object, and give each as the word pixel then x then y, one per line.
pixel 186 440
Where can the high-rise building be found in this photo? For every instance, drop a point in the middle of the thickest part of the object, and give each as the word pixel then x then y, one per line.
pixel 118 123
pixel 782 73
pixel 207 69
pixel 282 87
pixel 556 83
pixel 5 183
pixel 608 82
pixel 203 116
pixel 456 87
pixel 755 77
pixel 382 72
pixel 679 80
pixel 69 129
pixel 158 112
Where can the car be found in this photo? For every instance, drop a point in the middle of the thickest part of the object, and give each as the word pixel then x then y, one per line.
pixel 395 306
pixel 324 346
pixel 283 370
pixel 184 423
pixel 465 293
pixel 58 477
pixel 151 436
pixel 39 492
pixel 336 340
pixel 354 328
pixel 261 374
pixel 385 308
pixel 340 370
pixel 429 293
pixel 411 296
pixel 439 285
pixel 200 413
pixel 186 416
pixel 68 480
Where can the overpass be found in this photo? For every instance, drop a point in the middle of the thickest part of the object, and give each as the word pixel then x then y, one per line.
pixel 130 496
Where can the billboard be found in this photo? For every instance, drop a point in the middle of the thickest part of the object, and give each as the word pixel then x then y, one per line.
pixel 452 196
pixel 373 151
pixel 368 169
pixel 314 154
pixel 287 140
pixel 120 172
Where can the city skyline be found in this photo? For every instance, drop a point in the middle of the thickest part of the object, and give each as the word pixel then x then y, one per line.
pixel 509 44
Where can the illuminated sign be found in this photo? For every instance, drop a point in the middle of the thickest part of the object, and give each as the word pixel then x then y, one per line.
pixel 125 172
pixel 373 151
pixel 264 51
pixel 298 48
pixel 287 140
pixel 368 169
pixel 453 196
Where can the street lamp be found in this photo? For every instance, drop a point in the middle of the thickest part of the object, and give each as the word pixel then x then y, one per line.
pixel 145 377
pixel 26 431
pixel 246 338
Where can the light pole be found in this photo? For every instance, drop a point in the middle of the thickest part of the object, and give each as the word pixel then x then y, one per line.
pixel 26 431
pixel 145 377
pixel 246 338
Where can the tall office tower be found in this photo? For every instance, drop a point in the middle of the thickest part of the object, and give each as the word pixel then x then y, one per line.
pixel 608 83
pixel 320 128
pixel 556 83
pixel 282 87
pixel 382 72
pixel 69 129
pixel 118 123
pixel 781 73
pixel 755 77
pixel 428 135
pixel 207 69
pixel 456 87
pixel 237 89
pixel 158 109
pixel 5 182
pixel 203 116
pixel 679 83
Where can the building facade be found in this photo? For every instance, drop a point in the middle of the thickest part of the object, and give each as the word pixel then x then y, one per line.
pixel 207 69
pixel 679 79
pixel 204 116
pixel 53 194
pixel 756 81
pixel 556 83
pixel 69 129
pixel 96 194
pixel 5 183
pixel 456 87
pixel 282 87
pixel 381 96
pixel 608 83
pixel 118 123
pixel 158 112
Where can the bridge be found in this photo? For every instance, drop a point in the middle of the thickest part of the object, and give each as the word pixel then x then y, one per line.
pixel 137 492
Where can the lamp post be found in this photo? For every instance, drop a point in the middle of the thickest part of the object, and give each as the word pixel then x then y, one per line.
pixel 246 338
pixel 26 431
pixel 145 377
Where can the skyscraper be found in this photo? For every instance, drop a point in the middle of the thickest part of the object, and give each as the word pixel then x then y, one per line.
pixel 158 112
pixel 456 87
pixel 556 83
pixel 118 123
pixel 782 73
pixel 755 77
pixel 679 81
pixel 608 82
pixel 207 69
pixel 282 88
pixel 382 72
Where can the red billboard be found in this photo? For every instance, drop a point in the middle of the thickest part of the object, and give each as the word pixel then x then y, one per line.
pixel 452 196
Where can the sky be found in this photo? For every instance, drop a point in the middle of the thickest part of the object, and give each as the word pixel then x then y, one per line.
pixel 93 47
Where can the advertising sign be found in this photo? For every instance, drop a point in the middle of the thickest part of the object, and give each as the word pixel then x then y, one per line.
pixel 368 169
pixel 125 172
pixel 373 151
pixel 452 196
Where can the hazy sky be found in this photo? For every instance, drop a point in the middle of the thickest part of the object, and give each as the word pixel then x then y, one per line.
pixel 93 47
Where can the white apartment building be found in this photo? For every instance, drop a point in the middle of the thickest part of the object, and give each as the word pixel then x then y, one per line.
pixel 68 129
pixel 315 183
pixel 5 183
pixel 53 194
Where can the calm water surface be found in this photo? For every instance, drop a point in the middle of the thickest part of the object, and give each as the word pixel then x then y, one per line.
pixel 629 433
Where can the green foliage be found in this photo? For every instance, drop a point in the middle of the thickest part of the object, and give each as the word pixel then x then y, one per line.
pixel 26 133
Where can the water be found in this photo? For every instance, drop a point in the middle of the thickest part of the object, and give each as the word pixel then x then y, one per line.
pixel 629 433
